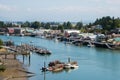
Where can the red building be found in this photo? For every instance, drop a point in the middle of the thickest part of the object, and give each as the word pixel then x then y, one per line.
pixel 10 30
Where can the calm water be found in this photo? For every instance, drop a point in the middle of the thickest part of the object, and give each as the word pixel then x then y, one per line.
pixel 94 63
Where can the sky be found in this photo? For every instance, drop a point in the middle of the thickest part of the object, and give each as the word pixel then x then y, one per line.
pixel 58 10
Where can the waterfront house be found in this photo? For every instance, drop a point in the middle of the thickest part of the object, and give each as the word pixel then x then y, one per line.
pixel 91 36
pixel 100 38
pixel 15 30
pixel 10 30
pixel 18 30
pixel 2 30
pixel 29 30
pixel 116 31
pixel 99 27
pixel 69 32
pixel 116 41
pixel 54 26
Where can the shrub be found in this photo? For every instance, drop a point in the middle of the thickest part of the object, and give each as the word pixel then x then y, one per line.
pixel 1 42
pixel 2 68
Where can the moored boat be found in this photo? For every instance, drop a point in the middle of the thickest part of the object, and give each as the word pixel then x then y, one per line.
pixel 57 69
pixel 71 65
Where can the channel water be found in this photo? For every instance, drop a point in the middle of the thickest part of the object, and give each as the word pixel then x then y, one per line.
pixel 94 63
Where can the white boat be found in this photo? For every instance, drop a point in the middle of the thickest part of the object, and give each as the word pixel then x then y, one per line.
pixel 56 40
pixel 7 34
pixel 90 44
pixel 40 36
pixel 70 66
pixel 21 35
pixel 74 66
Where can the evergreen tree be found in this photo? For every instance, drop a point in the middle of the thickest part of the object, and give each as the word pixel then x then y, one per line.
pixel 79 25
pixel 26 24
pixel 47 25
pixel 35 25
pixel 65 25
pixel 1 23
pixel 69 25
pixel 60 27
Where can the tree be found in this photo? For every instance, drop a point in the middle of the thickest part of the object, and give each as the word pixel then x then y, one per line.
pixel 107 22
pixel 65 25
pixel 1 23
pixel 42 24
pixel 26 24
pixel 1 43
pixel 69 25
pixel 117 23
pixel 47 25
pixel 35 25
pixel 79 25
pixel 60 27
pixel 83 30
pixel 8 24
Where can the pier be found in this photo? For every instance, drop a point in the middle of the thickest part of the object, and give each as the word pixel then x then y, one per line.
pixel 32 48
pixel 25 49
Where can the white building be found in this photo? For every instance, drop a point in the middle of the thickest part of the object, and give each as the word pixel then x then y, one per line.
pixel 90 35
pixel 68 32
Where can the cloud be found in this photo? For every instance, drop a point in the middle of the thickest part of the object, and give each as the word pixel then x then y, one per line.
pixel 29 9
pixel 4 7
pixel 7 8
pixel 113 2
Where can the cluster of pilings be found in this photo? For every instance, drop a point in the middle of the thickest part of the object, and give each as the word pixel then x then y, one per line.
pixel 32 48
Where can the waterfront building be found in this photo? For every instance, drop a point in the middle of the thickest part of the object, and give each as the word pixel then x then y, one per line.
pixel 68 32
pixel 99 27
pixel 2 30
pixel 15 30
pixel 88 35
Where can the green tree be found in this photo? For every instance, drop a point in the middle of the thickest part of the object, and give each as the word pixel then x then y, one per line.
pixel 60 27
pixel 42 24
pixel 26 24
pixel 79 25
pixel 8 24
pixel 1 23
pixel 83 30
pixel 36 25
pixel 117 23
pixel 1 43
pixel 47 25
pixel 65 25
pixel 69 25
pixel 107 22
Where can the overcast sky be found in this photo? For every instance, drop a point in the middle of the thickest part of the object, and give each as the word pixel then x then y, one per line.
pixel 58 10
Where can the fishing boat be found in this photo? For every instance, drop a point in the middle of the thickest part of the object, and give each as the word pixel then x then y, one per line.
pixel 71 64
pixel 67 66
pixel 44 68
pixel 55 66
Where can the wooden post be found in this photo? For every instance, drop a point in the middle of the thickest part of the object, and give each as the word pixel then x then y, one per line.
pixel 23 57
pixel 45 71
pixel 14 56
pixel 29 59
pixel 5 56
